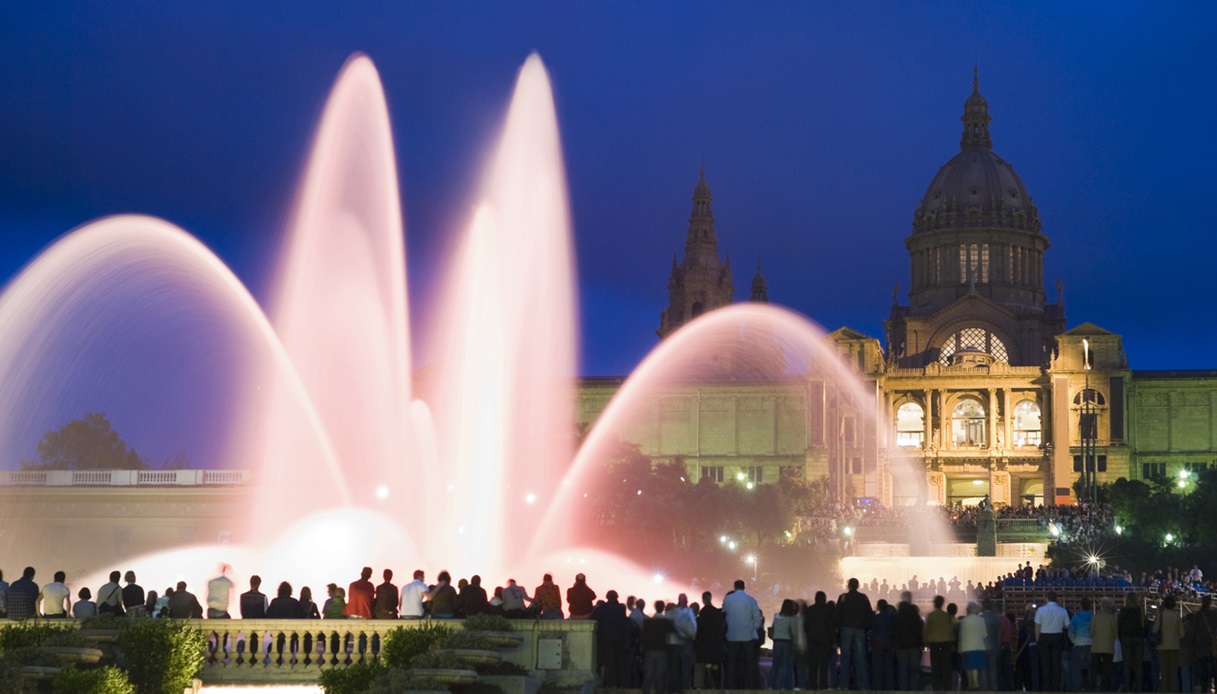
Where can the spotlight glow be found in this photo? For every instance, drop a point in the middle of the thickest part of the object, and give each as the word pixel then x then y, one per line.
pixel 382 492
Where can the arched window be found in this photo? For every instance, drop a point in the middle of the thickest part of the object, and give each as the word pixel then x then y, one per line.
pixel 910 425
pixel 1028 429
pixel 968 424
pixel 976 339
pixel 1089 396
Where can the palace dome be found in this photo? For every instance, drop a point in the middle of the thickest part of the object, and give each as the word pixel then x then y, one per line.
pixel 976 189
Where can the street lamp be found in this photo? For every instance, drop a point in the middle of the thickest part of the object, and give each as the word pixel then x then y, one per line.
pixel 751 559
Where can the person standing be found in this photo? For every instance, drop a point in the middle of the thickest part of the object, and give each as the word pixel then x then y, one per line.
pixel 1169 629
pixel 412 595
pixel 708 648
pixel 253 601
pixel 1082 640
pixel 1051 623
pixel 972 645
pixel 908 636
pixel 883 647
pixel 110 597
pixel 743 617
pixel 133 596
pixel 1103 631
pixel 820 628
pixel 3 597
pixel 549 597
pixel 854 615
pixel 613 629
pixel 654 643
pixel 360 596
pixel 387 598
pixel 56 598
pixel 940 638
pixel 580 598
pixel 1204 632
pixel 680 642
pixel 781 675
pixel 1130 624
pixel 183 604
pixel 219 590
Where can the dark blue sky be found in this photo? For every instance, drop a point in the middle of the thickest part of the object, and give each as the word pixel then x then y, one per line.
pixel 821 125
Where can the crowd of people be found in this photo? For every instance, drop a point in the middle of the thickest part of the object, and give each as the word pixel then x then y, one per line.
pixel 844 643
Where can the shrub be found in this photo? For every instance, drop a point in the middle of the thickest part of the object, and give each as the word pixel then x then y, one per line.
pixel 403 644
pixel 13 683
pixel 439 660
pixel 396 680
pixel 162 656
pixel 70 638
pixel 29 634
pixel 106 622
pixel 467 640
pixel 105 680
pixel 488 622
pixel 355 679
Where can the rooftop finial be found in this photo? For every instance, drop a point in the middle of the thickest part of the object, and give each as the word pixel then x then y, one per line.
pixel 703 167
pixel 976 117
pixel 975 78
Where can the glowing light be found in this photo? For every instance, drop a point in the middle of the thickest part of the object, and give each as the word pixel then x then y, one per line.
pixel 657 578
pixel 722 539
pixel 750 485
pixel 1182 484
pixel 639 492
pixel 1170 537
pixel 750 559
pixel 1119 530
pixel 1093 559
pixel 731 545
pixel 1054 529
pixel 978 482
pixel 847 531
pixel 382 492
pixel 740 476
pixel 530 498
pixel 788 535
pixel 1183 474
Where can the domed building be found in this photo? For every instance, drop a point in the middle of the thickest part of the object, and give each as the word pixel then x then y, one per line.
pixel 979 389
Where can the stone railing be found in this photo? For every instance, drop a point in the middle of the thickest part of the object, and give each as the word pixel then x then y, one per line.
pixel 266 651
pixel 123 478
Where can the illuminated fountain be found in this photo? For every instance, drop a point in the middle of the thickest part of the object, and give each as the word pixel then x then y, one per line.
pixel 358 456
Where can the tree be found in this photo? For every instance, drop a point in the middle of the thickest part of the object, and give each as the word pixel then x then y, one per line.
pixel 88 443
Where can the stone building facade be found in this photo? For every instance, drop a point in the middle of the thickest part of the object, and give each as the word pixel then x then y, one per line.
pixel 976 389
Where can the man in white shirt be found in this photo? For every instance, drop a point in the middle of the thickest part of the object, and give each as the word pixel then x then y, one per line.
pixel 1196 575
pixel 744 620
pixel 412 594
pixel 56 598
pixel 680 644
pixel 1051 625
pixel 219 590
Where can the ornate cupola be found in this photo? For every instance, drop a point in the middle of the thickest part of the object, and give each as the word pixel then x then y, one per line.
pixel 700 281
pixel 976 248
pixel 760 288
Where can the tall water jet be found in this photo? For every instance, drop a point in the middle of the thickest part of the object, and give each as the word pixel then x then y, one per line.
pixel 340 310
pixel 503 398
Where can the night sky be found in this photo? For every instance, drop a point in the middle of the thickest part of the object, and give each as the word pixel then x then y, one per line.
pixel 820 125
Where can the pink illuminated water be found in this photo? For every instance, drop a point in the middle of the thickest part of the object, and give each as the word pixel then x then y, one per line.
pixel 359 460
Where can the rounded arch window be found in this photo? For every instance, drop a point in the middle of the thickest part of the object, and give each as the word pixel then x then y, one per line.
pixel 1089 396
pixel 968 424
pixel 910 425
pixel 975 339
pixel 1028 424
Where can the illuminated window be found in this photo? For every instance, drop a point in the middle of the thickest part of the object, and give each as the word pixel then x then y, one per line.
pixel 712 472
pixel 910 425
pixel 968 424
pixel 1027 424
pixel 976 339
pixel 754 473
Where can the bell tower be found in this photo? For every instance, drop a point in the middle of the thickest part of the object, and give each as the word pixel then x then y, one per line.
pixel 700 281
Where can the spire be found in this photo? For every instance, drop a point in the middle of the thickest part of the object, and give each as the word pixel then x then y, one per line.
pixel 976 118
pixel 701 239
pixel 760 288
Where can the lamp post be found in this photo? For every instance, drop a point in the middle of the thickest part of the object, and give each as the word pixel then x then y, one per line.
pixel 751 560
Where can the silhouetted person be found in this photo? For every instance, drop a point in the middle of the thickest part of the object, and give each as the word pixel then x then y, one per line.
pixel 385 606
pixel 360 596
pixel 709 647
pixel 744 620
pixel 472 598
pixel 253 601
pixel 284 606
pixel 580 598
pixel 820 628
pixel 183 604
pixel 133 596
pixel 613 629
pixel 110 597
